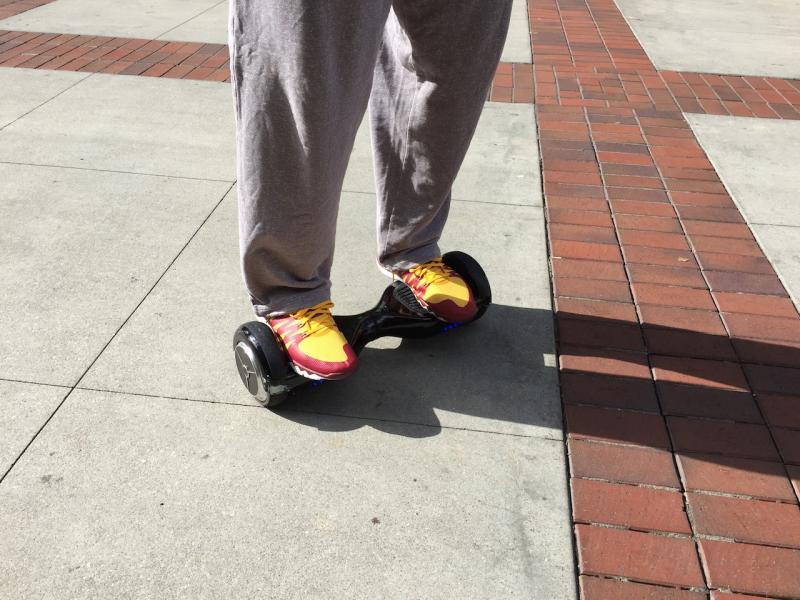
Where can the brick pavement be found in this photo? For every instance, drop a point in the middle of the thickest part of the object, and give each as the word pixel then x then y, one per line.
pixel 679 349
pixel 678 344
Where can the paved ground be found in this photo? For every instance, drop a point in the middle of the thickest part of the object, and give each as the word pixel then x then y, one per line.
pixel 746 37
pixel 666 140
pixel 122 199
pixel 187 20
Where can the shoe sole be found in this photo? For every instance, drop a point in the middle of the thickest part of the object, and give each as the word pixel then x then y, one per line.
pixel 316 376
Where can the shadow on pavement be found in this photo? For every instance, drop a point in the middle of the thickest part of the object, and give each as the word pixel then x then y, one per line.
pixel 717 393
pixel 491 375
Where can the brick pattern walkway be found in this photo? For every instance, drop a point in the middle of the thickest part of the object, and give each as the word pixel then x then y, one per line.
pixel 11 8
pixel 679 349
pixel 124 56
pixel 559 85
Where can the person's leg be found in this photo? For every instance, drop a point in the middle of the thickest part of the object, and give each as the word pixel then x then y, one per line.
pixel 301 72
pixel 431 81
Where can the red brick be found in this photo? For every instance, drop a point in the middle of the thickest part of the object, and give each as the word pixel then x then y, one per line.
pixel 653 239
pixel 700 199
pixel 733 262
pixel 609 391
pixel 752 569
pixel 698 174
pixel 704 321
pixel 648 223
pixel 604 362
pixel 503 80
pixel 756 304
pixel 785 111
pixel 639 556
pixel 157 70
pixel 585 250
pixel 222 74
pixel 634 207
pixel 663 295
pixel 630 170
pixel 695 185
pixel 630 506
pixel 729 475
pixel 570 165
pixel 704 373
pixel 763 327
pixel 178 71
pixel 693 401
pixel 768 352
pixel 788 441
pixel 782 411
pixel 722 281
pixel 666 159
pixel 690 344
pixel 762 109
pixel 579 217
pixel 136 68
pixel 686 148
pixel 780 380
pixel 590 178
pixel 615 291
pixel 600 310
pixel 637 194
pixel 666 276
pixel 625 158
pixel 595 588
pixel 583 332
pixel 628 181
pixel 116 67
pixel 753 521
pixel 613 131
pixel 738 231
pixel 704 243
pixel 588 269
pixel 617 146
pixel 501 94
pixel 628 464
pixel 565 202
pixel 709 214
pixel 659 256
pixel 567 151
pixel 622 426
pixel 706 436
pixel 199 73
pixel 715 595
pixel 582 233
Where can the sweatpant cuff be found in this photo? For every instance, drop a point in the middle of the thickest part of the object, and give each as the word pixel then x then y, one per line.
pixel 292 303
pixel 405 260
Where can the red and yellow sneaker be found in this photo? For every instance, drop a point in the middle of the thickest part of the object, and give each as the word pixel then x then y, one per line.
pixel 441 290
pixel 316 347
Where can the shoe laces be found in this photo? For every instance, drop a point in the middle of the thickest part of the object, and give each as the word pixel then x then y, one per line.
pixel 433 272
pixel 315 318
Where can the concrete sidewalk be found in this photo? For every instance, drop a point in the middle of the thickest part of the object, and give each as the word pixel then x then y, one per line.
pixel 644 151
pixel 137 465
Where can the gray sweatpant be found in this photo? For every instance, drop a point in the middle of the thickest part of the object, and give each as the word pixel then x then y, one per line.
pixel 303 72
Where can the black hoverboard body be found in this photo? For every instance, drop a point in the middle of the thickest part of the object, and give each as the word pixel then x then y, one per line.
pixel 267 373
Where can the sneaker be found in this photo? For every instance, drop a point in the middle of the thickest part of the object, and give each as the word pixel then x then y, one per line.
pixel 316 347
pixel 441 290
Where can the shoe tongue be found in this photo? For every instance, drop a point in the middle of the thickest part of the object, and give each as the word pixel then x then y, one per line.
pixel 319 316
pixel 435 271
